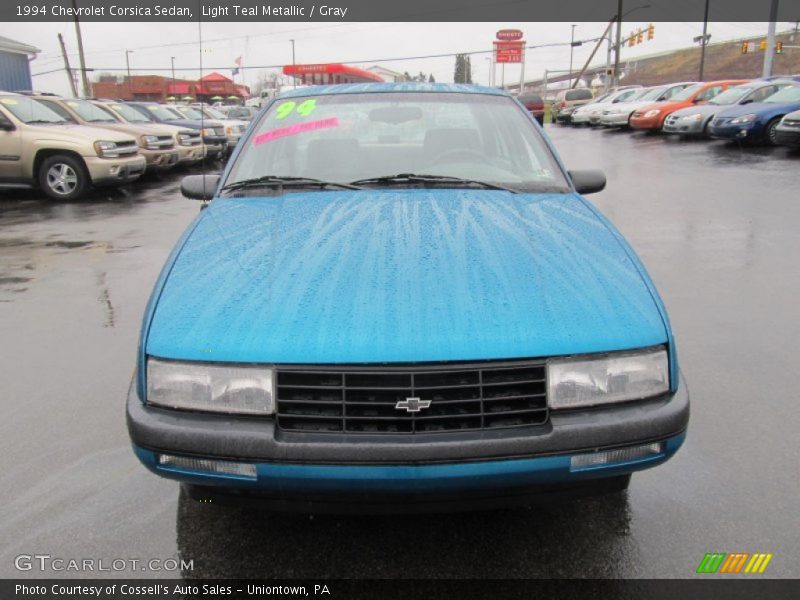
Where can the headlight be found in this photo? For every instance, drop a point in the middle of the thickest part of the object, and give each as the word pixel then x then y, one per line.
pixel 207 132
pixel 697 117
pixel 617 377
pixel 652 113
pixel 150 142
pixel 749 118
pixel 185 139
pixel 106 149
pixel 214 387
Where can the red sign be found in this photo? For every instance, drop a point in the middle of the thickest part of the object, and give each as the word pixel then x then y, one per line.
pixel 509 52
pixel 509 35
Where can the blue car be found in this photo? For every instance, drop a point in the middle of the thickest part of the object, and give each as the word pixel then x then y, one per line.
pixel 397 299
pixel 756 122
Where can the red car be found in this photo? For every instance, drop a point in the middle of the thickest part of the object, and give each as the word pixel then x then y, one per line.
pixel 652 116
pixel 534 104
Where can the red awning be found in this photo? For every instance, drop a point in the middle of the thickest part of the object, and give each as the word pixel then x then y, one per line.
pixel 331 73
pixel 174 89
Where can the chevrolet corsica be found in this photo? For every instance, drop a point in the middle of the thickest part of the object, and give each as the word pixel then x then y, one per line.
pixel 397 299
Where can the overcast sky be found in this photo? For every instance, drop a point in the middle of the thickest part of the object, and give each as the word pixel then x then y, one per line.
pixel 262 44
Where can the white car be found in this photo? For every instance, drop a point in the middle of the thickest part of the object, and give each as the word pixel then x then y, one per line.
pixel 590 113
pixel 234 128
pixel 619 115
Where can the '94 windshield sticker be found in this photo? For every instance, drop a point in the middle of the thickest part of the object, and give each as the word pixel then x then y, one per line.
pixel 284 109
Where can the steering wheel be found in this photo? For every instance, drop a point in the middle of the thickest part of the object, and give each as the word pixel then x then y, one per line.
pixel 457 153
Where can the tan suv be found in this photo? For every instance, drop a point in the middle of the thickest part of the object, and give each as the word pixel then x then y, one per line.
pixel 156 145
pixel 40 148
pixel 189 142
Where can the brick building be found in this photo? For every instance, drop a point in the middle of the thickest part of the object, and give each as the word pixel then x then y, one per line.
pixel 159 88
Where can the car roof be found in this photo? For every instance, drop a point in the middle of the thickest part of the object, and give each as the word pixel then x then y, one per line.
pixel 405 86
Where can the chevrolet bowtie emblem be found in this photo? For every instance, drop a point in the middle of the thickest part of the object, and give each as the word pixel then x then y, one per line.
pixel 412 405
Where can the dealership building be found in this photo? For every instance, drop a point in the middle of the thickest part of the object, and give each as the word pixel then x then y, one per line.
pixel 15 70
pixel 209 88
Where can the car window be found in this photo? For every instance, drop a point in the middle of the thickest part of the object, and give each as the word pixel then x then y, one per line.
pixel 30 111
pixel 212 113
pixel 685 94
pixel 623 96
pixel 654 93
pixel 56 107
pixel 112 117
pixel 89 112
pixel 188 112
pixel 346 137
pixel 580 94
pixel 130 114
pixel 732 95
pixel 765 92
pixel 709 93
pixel 787 94
pixel 161 112
pixel 672 92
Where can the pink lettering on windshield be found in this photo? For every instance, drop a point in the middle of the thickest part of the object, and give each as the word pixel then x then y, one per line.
pixel 275 134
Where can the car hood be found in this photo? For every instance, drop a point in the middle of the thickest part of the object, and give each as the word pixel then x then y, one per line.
pixel 86 132
pixel 194 123
pixel 632 106
pixel 700 109
pixel 759 108
pixel 398 276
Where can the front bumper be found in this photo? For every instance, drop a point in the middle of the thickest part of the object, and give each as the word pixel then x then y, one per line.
pixel 784 136
pixel 684 126
pixel 739 131
pixel 159 160
pixel 189 155
pixel 646 123
pixel 615 120
pixel 111 171
pixel 307 463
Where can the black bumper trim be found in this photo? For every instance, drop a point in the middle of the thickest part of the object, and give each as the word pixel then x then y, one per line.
pixel 256 439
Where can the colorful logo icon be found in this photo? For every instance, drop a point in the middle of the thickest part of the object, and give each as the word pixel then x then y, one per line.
pixel 735 562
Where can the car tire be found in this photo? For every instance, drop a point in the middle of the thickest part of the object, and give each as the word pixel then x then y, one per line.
pixel 770 133
pixel 63 177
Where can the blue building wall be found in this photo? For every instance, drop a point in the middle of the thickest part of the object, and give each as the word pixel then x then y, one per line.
pixel 15 72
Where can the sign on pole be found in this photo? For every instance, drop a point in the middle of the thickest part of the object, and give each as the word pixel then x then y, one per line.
pixel 508 52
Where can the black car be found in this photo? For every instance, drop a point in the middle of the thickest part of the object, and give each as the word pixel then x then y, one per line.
pixel 787 133
pixel 213 132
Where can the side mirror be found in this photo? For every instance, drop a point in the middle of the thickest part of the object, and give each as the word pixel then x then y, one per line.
pixel 588 181
pixel 199 187
pixel 6 125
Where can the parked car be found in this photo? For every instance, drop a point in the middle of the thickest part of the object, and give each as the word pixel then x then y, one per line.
pixel 213 132
pixel 590 113
pixel 787 133
pixel 242 113
pixel 756 122
pixel 188 142
pixel 620 115
pixel 567 101
pixel 534 104
pixel 41 149
pixel 233 128
pixel 334 328
pixel 651 117
pixel 694 120
pixel 155 144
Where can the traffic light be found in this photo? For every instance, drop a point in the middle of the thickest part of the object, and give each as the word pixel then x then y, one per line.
pixel 631 40
pixel 762 45
pixel 639 36
pixel 779 48
pixel 745 47
pixel 651 32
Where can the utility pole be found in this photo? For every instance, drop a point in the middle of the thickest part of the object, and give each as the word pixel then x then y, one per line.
pixel 66 66
pixel 571 49
pixel 704 41
pixel 172 62
pixel 81 58
pixel 619 42
pixel 606 34
pixel 294 76
pixel 773 16
pixel 128 69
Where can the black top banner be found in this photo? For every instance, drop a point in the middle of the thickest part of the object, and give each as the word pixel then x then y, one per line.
pixel 389 10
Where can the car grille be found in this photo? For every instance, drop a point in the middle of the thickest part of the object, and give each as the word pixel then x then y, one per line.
pixel 126 148
pixel 165 141
pixel 219 131
pixel 363 400
pixel 671 120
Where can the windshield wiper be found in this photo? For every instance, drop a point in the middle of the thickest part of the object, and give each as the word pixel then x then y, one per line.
pixel 42 122
pixel 405 178
pixel 284 181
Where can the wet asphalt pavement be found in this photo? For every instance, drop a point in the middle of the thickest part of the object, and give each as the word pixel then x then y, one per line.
pixel 716 226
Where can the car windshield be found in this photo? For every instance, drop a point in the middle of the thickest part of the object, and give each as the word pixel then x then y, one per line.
pixel 212 113
pixel 789 94
pixel 349 137
pixel 89 112
pixel 637 95
pixel 129 113
pixel 732 95
pixel 30 111
pixel 601 98
pixel 163 112
pixel 654 93
pixel 188 112
pixel 686 93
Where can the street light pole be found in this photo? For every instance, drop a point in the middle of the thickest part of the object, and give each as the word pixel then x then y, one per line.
pixel 172 61
pixel 128 68
pixel 571 49
pixel 618 43
pixel 294 75
pixel 770 50
pixel 704 41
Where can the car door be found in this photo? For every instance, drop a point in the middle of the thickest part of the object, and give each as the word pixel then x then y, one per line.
pixel 10 149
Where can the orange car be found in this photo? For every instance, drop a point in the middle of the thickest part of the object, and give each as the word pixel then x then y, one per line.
pixel 652 116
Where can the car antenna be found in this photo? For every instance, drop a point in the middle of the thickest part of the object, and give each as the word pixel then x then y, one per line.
pixel 202 115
